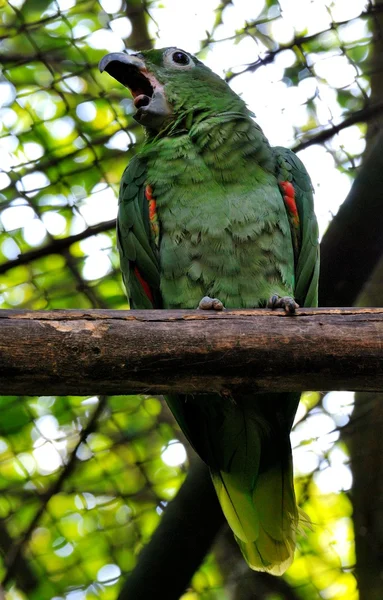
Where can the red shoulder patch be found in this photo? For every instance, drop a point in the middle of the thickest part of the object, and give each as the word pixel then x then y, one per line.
pixel 288 194
pixel 289 197
pixel 145 285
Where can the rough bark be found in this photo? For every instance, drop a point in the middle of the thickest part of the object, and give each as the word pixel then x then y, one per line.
pixel 116 352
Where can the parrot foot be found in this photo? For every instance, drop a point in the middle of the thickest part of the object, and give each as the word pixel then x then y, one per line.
pixel 286 302
pixel 208 303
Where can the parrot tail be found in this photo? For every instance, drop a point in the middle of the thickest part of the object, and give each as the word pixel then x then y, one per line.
pixel 265 519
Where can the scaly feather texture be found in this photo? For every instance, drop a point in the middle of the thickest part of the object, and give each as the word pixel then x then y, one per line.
pixel 234 220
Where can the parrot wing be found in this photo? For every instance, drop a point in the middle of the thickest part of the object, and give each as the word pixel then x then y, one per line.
pixel 137 238
pixel 298 196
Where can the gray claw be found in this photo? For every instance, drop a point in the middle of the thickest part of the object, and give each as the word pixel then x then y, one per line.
pixel 273 302
pixel 286 302
pixel 208 303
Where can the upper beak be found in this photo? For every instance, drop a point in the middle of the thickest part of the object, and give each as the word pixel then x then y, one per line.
pixel 122 67
pixel 105 63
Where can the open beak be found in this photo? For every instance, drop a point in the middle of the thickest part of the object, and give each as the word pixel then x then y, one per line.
pixel 148 94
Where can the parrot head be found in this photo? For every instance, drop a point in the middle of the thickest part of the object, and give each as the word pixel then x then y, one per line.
pixel 168 85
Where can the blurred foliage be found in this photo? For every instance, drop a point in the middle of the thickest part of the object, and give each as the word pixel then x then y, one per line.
pixel 84 480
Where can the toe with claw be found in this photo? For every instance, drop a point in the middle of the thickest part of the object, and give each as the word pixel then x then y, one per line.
pixel 286 302
pixel 208 303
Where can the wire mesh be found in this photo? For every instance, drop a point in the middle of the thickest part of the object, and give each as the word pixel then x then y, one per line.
pixel 84 481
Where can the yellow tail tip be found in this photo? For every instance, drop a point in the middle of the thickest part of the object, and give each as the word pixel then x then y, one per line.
pixel 271 555
pixel 274 557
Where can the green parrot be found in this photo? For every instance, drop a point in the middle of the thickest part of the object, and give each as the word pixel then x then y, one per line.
pixel 211 216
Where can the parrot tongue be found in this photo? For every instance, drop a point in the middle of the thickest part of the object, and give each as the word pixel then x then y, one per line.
pixel 141 100
pixel 148 94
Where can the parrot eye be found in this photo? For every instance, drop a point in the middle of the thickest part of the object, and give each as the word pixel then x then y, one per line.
pixel 175 58
pixel 181 58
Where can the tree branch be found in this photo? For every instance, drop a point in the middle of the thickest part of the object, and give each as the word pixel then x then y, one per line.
pixel 160 351
pixel 359 116
pixel 180 543
pixel 57 246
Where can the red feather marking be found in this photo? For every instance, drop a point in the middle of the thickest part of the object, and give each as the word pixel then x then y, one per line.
pixel 145 285
pixel 288 194
pixel 152 202
pixel 153 218
pixel 152 210
pixel 289 197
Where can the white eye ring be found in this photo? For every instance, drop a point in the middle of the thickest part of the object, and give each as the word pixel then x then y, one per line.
pixel 170 62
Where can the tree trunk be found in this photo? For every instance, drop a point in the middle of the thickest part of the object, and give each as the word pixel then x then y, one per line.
pixel 366 446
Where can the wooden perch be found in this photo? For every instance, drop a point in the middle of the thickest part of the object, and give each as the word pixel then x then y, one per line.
pixel 121 352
